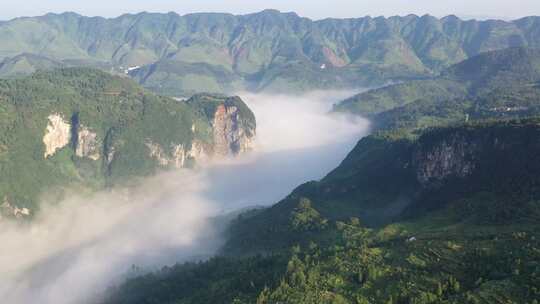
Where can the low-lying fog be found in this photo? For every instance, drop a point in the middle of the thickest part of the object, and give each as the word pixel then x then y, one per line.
pixel 74 250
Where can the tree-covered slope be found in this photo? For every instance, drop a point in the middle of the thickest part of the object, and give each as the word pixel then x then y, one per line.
pixel 464 201
pixel 502 68
pixel 86 127
pixel 393 176
pixel 25 64
pixel 377 101
pixel 497 84
pixel 263 50
pixel 176 78
pixel 432 260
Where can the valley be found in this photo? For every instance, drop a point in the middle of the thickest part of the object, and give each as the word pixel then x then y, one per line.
pixel 268 158
pixel 432 207
pixel 172 215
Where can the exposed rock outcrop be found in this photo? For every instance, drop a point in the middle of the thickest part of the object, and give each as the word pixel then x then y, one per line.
pixel 7 209
pixel 156 151
pixel 57 134
pixel 110 155
pixel 231 132
pixel 230 136
pixel 87 144
pixel 197 151
pixel 454 156
pixel 177 156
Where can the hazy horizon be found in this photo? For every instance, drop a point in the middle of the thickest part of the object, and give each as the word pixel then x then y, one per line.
pixel 317 9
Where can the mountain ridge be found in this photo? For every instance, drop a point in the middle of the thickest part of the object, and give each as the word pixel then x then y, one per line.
pixel 265 50
pixel 495 84
pixel 458 16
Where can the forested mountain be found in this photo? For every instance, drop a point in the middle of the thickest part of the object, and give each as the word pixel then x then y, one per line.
pixel 440 205
pixel 388 177
pixel 497 84
pixel 84 127
pixel 24 64
pixel 454 218
pixel 269 50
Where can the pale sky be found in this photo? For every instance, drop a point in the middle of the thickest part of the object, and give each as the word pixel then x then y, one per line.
pixel 315 9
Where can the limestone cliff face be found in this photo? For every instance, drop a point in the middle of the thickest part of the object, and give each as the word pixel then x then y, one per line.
pixel 177 155
pixel 8 210
pixel 57 134
pixel 214 127
pixel 157 152
pixel 197 151
pixel 453 156
pixel 230 133
pixel 87 144
pixel 231 137
pixel 466 152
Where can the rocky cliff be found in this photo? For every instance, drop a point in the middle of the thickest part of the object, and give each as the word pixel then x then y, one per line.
pixel 232 133
pixel 475 152
pixel 387 176
pixel 102 129
pixel 230 137
pixel 8 210
pixel 177 156
pixel 233 130
pixel 452 156
pixel 87 144
pixel 233 123
pixel 57 134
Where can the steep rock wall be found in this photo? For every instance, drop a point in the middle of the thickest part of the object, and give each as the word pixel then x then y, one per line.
pixel 230 137
pixel 57 134
pixel 230 134
pixel 453 156
pixel 87 144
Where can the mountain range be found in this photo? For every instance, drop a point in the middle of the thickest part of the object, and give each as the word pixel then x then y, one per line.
pixel 438 205
pixel 269 50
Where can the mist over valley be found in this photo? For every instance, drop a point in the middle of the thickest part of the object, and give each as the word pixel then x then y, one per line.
pixel 270 158
pixel 75 249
